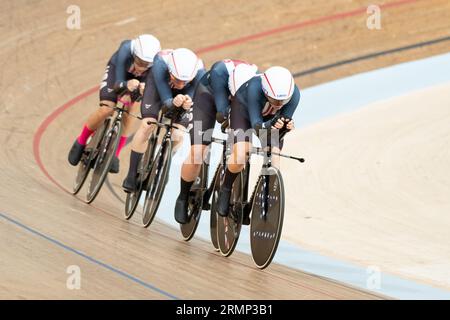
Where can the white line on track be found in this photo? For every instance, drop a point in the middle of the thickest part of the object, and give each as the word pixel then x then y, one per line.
pixel 126 21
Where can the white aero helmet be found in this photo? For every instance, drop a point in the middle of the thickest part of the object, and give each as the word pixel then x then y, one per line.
pixel 145 47
pixel 278 83
pixel 241 74
pixel 183 64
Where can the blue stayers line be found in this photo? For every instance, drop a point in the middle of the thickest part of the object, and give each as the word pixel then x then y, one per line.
pixel 104 265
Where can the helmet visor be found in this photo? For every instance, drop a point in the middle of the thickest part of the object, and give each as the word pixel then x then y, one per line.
pixel 276 102
pixel 177 83
pixel 141 64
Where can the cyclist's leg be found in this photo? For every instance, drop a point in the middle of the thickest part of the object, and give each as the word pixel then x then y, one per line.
pixel 242 132
pixel 138 147
pixel 276 147
pixel 129 123
pixel 241 126
pixel 150 107
pixel 276 158
pixel 193 162
pixel 201 128
pixel 108 98
pixel 177 137
pixel 96 119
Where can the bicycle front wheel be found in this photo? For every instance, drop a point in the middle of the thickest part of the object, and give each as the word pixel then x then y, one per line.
pixel 195 205
pixel 133 198
pixel 104 156
pixel 213 218
pixel 267 217
pixel 229 228
pixel 157 181
pixel 88 156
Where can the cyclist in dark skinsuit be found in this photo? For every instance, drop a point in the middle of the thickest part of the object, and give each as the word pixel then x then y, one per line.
pixel 170 84
pixel 126 70
pixel 265 102
pixel 211 103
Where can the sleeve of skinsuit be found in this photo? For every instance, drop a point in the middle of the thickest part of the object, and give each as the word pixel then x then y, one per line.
pixel 160 74
pixel 123 60
pixel 254 101
pixel 190 89
pixel 219 84
pixel 289 109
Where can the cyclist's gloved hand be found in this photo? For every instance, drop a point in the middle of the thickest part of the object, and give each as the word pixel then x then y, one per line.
pixel 188 103
pixel 141 88
pixel 135 95
pixel 132 85
pixel 278 123
pixel 179 100
pixel 289 124
pixel 221 118
pixel 267 124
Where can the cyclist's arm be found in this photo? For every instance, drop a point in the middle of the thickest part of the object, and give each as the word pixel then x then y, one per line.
pixel 219 84
pixel 288 110
pixel 254 102
pixel 123 61
pixel 160 74
pixel 190 89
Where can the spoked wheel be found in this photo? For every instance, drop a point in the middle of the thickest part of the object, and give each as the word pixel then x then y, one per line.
pixel 86 159
pixel 83 170
pixel 267 217
pixel 157 182
pixel 195 205
pixel 104 156
pixel 229 228
pixel 132 199
pixel 213 217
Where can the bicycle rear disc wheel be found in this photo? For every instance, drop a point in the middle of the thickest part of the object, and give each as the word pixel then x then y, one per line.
pixel 195 205
pixel 106 152
pixel 157 183
pixel 267 218
pixel 229 228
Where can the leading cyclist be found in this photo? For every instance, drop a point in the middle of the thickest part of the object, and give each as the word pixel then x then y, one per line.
pixel 266 103
pixel 126 70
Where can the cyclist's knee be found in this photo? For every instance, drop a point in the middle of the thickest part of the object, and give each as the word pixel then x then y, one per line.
pixel 105 108
pixel 196 154
pixel 146 125
pixel 235 167
pixel 177 142
pixel 240 152
pixel 177 135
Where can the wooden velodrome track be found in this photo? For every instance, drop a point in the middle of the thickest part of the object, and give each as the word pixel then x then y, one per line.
pixel 44 66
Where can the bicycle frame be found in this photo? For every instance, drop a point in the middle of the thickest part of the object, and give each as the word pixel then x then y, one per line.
pixel 266 165
pixel 225 150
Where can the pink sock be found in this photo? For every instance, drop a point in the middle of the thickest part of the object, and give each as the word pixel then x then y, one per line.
pixel 84 136
pixel 122 142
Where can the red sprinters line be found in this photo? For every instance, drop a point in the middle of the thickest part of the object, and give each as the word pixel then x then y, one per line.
pixel 44 125
pixel 50 118
pixel 299 25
